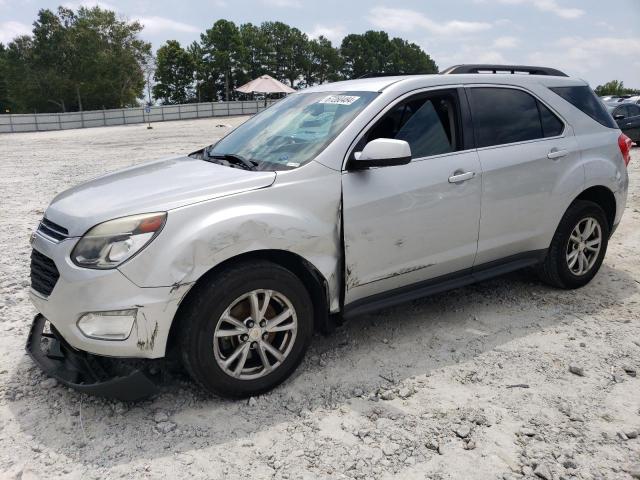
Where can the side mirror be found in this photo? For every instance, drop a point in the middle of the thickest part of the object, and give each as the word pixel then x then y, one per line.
pixel 382 152
pixel 619 116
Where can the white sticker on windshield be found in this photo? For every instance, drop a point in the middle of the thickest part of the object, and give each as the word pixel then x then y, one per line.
pixel 339 99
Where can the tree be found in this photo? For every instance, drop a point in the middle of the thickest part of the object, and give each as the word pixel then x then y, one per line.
pixel 374 53
pixel 221 45
pixel 174 74
pixel 4 81
pixel 254 52
pixel 324 63
pixel 288 51
pixel 80 60
pixel 615 87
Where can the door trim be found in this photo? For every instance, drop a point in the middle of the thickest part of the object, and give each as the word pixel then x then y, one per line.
pixel 443 283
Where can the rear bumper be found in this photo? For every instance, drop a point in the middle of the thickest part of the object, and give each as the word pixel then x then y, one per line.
pixel 85 372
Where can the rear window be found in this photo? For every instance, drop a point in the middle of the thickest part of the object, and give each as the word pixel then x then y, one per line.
pixel 584 99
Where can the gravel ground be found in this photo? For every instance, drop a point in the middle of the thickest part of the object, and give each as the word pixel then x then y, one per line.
pixel 476 383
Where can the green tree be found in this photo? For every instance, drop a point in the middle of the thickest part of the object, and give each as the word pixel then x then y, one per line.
pixel 174 74
pixel 221 45
pixel 374 53
pixel 4 82
pixel 81 60
pixel 254 52
pixel 615 87
pixel 288 51
pixel 324 63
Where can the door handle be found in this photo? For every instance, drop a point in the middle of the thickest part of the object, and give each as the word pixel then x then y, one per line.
pixel 555 153
pixel 459 177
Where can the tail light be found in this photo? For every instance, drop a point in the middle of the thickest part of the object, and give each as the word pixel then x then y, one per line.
pixel 624 143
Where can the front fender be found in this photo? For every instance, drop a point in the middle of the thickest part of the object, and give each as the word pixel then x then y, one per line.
pixel 300 213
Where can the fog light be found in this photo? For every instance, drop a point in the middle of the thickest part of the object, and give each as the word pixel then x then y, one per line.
pixel 113 325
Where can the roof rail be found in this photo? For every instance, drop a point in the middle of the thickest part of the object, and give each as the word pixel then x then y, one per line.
pixel 513 69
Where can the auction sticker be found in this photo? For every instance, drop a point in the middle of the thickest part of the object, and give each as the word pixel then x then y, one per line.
pixel 339 99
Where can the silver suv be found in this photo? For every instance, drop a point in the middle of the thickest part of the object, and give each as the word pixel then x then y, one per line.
pixel 338 200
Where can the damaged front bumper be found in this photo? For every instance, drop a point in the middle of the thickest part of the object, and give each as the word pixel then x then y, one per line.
pixel 87 373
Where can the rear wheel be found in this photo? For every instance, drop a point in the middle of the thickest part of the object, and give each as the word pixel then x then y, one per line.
pixel 246 330
pixel 578 246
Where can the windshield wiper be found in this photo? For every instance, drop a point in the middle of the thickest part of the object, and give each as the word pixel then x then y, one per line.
pixel 235 159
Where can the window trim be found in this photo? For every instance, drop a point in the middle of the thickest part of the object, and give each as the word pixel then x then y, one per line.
pixel 522 142
pixel 458 89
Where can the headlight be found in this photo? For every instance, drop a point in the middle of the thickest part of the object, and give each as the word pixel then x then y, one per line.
pixel 111 243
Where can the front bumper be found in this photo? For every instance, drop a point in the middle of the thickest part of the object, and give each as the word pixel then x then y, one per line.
pixel 85 372
pixel 80 290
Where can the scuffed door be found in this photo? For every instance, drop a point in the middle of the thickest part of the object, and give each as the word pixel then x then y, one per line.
pixel 410 223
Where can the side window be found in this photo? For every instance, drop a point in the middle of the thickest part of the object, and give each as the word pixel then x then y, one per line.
pixel 428 122
pixel 583 98
pixel 552 126
pixel 504 115
pixel 633 110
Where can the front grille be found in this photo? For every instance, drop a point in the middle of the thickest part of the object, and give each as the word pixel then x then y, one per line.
pixel 44 273
pixel 53 230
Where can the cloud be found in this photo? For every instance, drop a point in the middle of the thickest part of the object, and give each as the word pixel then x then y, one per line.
pixel 551 6
pixel 89 4
pixel 161 24
pixel 283 3
pixel 12 29
pixel 476 53
pixel 408 20
pixel 335 33
pixel 585 54
pixel 506 42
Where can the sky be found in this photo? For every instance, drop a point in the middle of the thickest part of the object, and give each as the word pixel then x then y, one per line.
pixel 592 39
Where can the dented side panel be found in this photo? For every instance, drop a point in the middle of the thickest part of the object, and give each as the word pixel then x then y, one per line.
pixel 299 213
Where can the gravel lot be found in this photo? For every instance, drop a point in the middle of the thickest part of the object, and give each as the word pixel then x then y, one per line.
pixel 471 384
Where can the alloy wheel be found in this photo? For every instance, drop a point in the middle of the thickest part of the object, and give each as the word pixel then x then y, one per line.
pixel 584 246
pixel 255 334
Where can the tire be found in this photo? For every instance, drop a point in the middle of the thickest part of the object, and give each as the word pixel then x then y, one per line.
pixel 203 355
pixel 556 269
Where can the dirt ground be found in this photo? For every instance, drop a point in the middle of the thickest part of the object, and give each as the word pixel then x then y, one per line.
pixel 471 384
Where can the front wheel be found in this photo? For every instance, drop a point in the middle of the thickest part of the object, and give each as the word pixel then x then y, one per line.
pixel 578 246
pixel 246 330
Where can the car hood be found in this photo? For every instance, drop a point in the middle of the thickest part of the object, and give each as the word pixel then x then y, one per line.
pixel 152 187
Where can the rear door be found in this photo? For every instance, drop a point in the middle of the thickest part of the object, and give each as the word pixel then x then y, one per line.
pixel 524 148
pixel 631 124
pixel 410 223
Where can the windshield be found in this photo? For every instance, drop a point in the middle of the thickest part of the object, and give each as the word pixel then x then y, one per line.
pixel 293 131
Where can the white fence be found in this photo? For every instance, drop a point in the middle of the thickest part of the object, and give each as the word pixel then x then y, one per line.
pixel 35 122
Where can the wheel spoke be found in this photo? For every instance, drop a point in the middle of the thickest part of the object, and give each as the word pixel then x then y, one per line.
pixel 573 261
pixel 243 359
pixel 255 306
pixel 237 352
pixel 272 350
pixel 583 262
pixel 265 303
pixel 263 357
pixel 235 322
pixel 229 333
pixel 282 328
pixel 275 321
pixel 573 254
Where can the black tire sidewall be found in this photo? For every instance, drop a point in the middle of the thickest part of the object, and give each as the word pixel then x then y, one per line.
pixel 572 218
pixel 213 301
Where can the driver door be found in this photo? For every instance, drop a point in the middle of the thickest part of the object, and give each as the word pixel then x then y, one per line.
pixel 412 223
